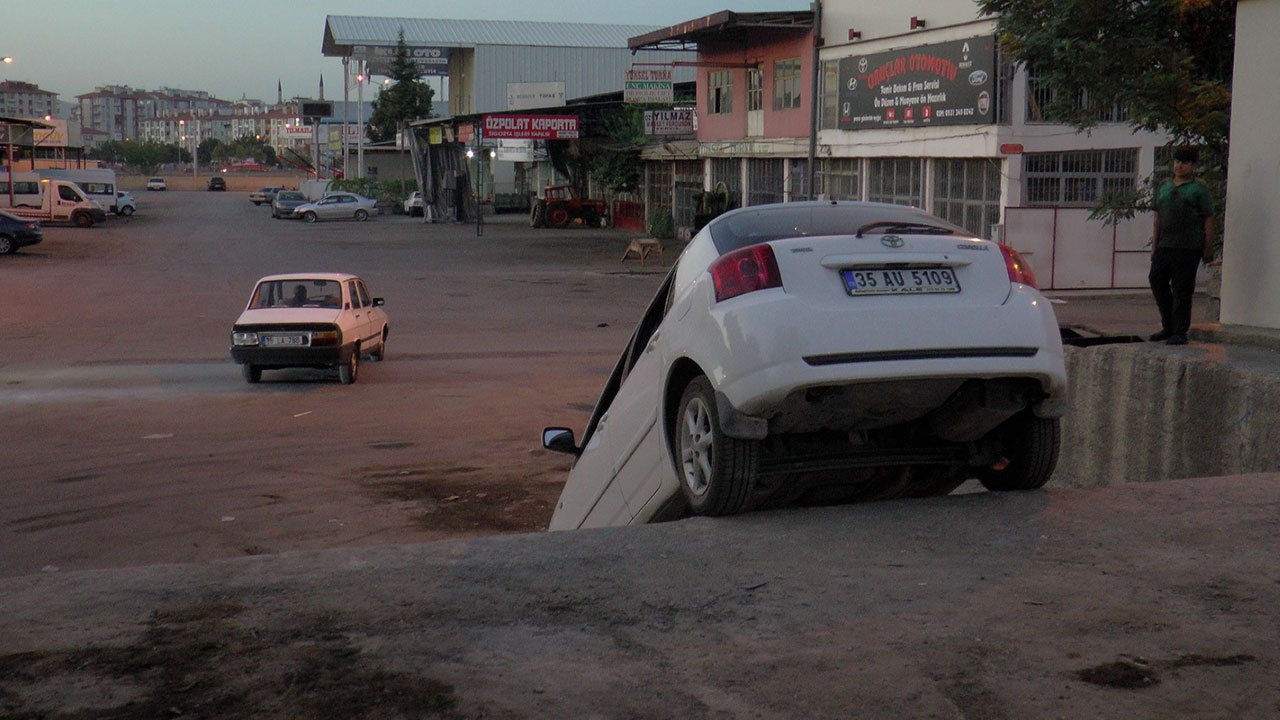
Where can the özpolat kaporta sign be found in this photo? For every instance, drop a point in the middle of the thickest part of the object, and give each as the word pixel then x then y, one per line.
pixel 531 127
pixel 949 83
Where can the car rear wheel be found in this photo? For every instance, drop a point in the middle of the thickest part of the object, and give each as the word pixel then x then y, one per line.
pixel 348 371
pixel 1029 446
pixel 82 220
pixel 126 211
pixel 362 215
pixel 252 373
pixel 309 216
pixel 717 472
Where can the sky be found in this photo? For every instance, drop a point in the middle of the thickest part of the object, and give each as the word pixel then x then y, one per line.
pixel 240 48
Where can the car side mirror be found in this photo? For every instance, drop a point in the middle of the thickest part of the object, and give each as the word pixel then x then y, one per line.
pixel 379 302
pixel 558 439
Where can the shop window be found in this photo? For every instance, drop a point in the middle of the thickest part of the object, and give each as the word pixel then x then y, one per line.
pixel 896 180
pixel 729 172
pixel 841 179
pixel 764 181
pixel 1079 178
pixel 966 191
pixel 786 84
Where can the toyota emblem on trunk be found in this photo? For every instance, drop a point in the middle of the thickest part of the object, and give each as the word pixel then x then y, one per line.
pixel 892 241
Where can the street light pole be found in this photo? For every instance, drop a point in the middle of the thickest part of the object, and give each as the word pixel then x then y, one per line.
pixel 364 68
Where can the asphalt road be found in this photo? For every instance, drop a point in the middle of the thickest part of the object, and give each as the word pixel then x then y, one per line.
pixel 130 438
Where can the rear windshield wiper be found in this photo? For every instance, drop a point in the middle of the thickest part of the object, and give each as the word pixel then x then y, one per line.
pixel 912 227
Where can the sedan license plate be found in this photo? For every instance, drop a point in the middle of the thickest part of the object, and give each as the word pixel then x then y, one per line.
pixel 284 340
pixel 900 281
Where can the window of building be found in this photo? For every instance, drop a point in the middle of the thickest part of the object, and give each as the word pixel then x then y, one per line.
pixel 764 181
pixel 688 186
pixel 1040 95
pixel 1078 178
pixel 830 94
pixel 799 174
pixel 966 191
pixel 896 180
pixel 841 179
pixel 786 84
pixel 720 92
pixel 755 89
pixel 658 185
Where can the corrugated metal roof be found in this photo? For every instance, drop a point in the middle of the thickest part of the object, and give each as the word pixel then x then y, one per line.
pixel 346 30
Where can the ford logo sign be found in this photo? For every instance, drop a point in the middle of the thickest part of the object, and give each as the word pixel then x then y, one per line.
pixel 977 77
pixel 892 241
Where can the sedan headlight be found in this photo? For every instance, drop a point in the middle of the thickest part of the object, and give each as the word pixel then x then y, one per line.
pixel 244 338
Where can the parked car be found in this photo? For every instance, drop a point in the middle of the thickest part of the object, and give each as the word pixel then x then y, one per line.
pixel 264 195
pixel 414 204
pixel 822 352
pixel 125 204
pixel 318 320
pixel 217 182
pixel 336 206
pixel 156 183
pixel 285 202
pixel 15 232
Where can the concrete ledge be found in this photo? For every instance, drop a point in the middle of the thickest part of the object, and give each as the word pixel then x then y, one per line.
pixel 1267 338
pixel 1140 412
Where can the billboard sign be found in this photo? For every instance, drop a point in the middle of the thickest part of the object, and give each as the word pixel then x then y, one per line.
pixel 648 85
pixel 429 60
pixel 949 83
pixel 533 95
pixel 669 122
pixel 531 127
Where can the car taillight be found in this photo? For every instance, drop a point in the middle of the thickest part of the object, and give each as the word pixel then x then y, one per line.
pixel 324 337
pixel 1019 270
pixel 746 270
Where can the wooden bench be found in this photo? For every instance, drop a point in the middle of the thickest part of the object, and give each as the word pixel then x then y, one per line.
pixel 642 247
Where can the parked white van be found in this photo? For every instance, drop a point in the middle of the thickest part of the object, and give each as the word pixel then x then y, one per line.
pixel 98 183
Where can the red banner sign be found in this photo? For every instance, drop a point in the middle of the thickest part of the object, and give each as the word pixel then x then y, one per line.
pixel 531 127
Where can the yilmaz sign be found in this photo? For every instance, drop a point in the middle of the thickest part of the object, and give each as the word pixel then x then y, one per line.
pixel 949 83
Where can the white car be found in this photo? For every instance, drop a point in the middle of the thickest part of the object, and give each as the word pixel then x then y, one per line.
pixel 414 205
pixel 156 183
pixel 820 352
pixel 317 320
pixel 125 203
pixel 337 206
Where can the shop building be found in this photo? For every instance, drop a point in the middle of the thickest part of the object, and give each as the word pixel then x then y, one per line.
pixel 915 106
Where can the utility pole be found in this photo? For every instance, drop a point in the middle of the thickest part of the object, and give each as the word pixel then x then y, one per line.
pixel 815 107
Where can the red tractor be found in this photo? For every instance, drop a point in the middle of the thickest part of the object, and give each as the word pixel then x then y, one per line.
pixel 561 205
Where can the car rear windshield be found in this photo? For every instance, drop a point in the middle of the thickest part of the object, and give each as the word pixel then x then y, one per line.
pixel 290 196
pixel 774 222
pixel 297 292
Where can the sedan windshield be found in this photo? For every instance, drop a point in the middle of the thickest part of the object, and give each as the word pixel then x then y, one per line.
pixel 775 222
pixel 297 292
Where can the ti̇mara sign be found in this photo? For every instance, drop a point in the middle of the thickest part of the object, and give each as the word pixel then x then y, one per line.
pixel 648 85
pixel 950 83
pixel 531 127
pixel 429 60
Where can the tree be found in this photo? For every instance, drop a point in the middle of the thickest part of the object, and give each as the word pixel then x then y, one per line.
pixel 617 165
pixel 148 156
pixel 406 99
pixel 1167 62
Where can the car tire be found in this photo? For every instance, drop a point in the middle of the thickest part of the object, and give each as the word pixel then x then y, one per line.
pixel 558 215
pixel 252 373
pixel 538 214
pixel 350 370
pixel 362 215
pixel 1029 446
pixel 309 217
pixel 381 353
pixel 7 245
pixel 126 211
pixel 82 220
pixel 717 473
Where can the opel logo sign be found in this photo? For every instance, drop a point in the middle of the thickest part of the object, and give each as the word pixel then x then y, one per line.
pixel 892 241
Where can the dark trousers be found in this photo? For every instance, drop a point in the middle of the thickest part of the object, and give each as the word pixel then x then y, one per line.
pixel 1173 281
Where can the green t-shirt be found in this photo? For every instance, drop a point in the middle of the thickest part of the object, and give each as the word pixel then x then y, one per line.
pixel 1182 209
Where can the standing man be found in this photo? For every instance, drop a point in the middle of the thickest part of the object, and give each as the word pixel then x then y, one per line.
pixel 1183 237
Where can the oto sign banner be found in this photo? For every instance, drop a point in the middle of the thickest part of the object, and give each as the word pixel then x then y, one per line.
pixel 531 127
pixel 950 83
pixel 428 60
